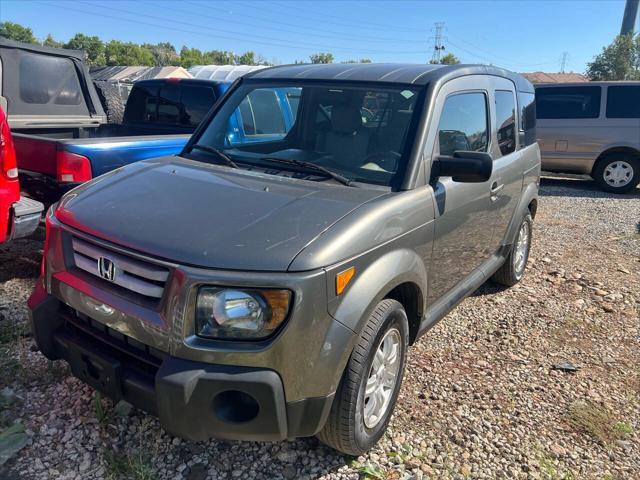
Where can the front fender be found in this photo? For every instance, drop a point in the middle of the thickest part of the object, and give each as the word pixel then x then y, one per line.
pixel 372 282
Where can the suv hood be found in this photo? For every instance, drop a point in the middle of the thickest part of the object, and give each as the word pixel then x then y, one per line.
pixel 205 215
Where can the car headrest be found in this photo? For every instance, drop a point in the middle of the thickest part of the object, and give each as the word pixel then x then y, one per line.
pixel 345 119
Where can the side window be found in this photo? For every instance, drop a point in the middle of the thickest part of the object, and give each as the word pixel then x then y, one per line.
pixel 196 102
pixel 506 121
pixel 265 113
pixel 463 123
pixel 623 101
pixel 568 102
pixel 49 80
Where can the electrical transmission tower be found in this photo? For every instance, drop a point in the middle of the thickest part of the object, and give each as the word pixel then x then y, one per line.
pixel 564 61
pixel 438 47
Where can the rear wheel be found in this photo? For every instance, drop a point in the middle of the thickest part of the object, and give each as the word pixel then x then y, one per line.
pixel 512 270
pixel 370 384
pixel 617 173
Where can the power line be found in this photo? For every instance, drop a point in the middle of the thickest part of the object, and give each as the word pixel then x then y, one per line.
pixel 297 45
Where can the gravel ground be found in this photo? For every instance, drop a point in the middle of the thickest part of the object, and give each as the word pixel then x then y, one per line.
pixel 487 392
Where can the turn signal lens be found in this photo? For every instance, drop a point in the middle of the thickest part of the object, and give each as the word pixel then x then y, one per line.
pixel 343 279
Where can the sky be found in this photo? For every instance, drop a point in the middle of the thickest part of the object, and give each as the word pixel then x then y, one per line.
pixel 527 35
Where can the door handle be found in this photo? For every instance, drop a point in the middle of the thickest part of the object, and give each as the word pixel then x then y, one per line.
pixel 495 190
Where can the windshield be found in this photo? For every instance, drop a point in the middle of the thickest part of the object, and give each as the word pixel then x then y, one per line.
pixel 359 133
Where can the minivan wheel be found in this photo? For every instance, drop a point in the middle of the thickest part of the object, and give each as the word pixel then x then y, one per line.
pixel 371 381
pixel 617 173
pixel 512 270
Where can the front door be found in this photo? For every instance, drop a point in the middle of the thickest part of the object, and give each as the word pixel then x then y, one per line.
pixel 465 213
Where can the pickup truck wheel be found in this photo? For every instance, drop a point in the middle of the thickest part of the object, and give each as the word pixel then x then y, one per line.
pixel 514 265
pixel 371 381
pixel 617 173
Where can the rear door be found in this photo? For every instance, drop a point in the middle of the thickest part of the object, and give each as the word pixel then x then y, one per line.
pixel 506 186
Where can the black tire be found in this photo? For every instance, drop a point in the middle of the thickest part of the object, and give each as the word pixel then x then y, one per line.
pixel 509 274
pixel 111 101
pixel 631 165
pixel 345 429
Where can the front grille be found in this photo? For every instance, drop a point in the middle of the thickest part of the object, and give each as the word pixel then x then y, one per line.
pixel 138 276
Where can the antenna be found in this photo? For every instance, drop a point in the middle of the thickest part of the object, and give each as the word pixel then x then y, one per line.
pixel 437 45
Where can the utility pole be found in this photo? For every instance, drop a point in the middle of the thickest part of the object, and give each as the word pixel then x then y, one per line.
pixel 564 61
pixel 437 45
pixel 629 17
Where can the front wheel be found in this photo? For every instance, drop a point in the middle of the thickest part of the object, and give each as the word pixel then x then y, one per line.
pixel 514 265
pixel 370 384
pixel 617 173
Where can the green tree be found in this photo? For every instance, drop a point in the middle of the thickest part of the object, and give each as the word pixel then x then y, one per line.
pixel 52 42
pixel 15 31
pixel 362 60
pixel 218 57
pixel 448 59
pixel 127 53
pixel 618 61
pixel 93 47
pixel 164 53
pixel 247 58
pixel 190 57
pixel 321 57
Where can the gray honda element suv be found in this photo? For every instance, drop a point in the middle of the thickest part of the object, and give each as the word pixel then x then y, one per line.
pixel 267 282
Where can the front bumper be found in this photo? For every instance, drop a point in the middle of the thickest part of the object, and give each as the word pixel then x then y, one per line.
pixel 26 217
pixel 193 400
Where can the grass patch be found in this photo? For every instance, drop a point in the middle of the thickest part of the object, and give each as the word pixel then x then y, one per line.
pixel 12 332
pixel 134 466
pixel 369 471
pixel 598 421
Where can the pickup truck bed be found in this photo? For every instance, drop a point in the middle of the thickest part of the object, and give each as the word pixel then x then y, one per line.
pixel 51 166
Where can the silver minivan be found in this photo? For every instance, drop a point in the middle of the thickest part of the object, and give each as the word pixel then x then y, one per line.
pixel 591 128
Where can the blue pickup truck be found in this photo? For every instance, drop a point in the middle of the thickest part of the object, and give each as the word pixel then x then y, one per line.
pixel 60 132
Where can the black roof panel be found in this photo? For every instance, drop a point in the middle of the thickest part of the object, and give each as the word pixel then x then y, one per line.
pixel 407 73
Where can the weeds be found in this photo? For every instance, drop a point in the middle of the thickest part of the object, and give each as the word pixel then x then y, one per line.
pixel 369 471
pixel 101 414
pixel 598 422
pixel 135 466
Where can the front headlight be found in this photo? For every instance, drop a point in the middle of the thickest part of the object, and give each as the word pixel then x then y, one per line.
pixel 229 313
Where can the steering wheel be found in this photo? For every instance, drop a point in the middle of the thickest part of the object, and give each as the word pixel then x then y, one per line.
pixel 387 161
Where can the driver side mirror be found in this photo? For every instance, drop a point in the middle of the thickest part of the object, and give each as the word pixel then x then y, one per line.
pixel 463 166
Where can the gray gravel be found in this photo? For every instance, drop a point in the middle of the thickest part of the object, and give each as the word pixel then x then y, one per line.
pixel 482 398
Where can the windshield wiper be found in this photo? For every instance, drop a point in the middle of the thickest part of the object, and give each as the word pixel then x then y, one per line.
pixel 312 166
pixel 221 155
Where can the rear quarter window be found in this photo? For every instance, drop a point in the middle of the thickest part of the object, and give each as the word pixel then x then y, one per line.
pixel 623 101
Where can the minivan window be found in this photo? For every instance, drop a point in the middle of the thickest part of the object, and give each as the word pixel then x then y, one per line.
pixel 568 102
pixel 506 121
pixel 463 123
pixel 196 102
pixel 623 101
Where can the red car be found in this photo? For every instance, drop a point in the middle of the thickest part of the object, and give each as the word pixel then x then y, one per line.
pixel 19 216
